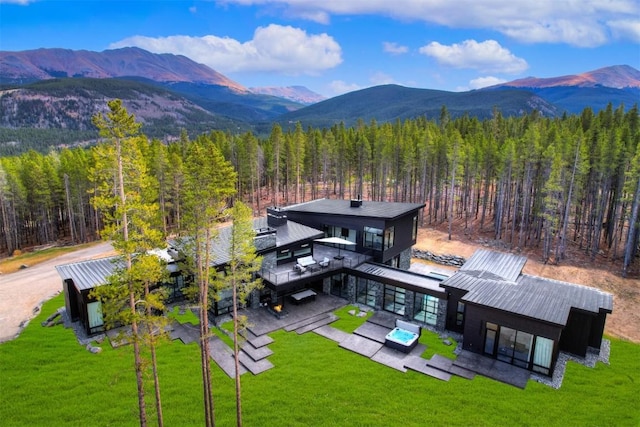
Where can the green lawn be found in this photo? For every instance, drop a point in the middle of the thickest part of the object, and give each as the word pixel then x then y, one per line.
pixel 46 378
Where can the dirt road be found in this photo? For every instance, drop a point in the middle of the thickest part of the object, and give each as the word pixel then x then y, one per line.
pixel 23 292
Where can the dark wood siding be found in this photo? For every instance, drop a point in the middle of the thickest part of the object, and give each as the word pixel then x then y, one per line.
pixel 403 230
pixel 477 316
pixel 597 329
pixel 575 336
pixel 453 297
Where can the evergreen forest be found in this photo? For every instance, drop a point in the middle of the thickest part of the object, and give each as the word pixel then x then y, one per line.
pixel 525 181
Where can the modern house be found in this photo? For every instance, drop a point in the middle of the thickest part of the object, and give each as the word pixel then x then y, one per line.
pixel 361 251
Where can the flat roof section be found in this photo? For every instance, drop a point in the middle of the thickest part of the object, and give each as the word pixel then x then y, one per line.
pixel 369 209
pixel 403 278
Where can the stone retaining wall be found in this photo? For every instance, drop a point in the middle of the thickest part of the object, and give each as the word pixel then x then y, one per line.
pixel 451 260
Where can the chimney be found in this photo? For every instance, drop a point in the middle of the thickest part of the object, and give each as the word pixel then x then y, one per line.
pixel 356 203
pixel 276 217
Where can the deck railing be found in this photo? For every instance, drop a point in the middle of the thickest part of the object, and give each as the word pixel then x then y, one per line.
pixel 281 274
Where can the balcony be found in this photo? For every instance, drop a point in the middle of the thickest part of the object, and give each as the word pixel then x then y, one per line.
pixel 285 275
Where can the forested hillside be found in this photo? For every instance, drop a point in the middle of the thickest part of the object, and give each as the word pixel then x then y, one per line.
pixel 530 181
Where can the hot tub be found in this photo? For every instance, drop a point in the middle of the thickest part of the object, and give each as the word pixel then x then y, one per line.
pixel 401 339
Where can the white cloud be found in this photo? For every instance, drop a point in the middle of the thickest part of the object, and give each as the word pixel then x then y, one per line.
pixel 339 87
pixel 578 23
pixel 486 56
pixel 274 48
pixel 193 9
pixel 481 82
pixel 21 2
pixel 626 29
pixel 394 48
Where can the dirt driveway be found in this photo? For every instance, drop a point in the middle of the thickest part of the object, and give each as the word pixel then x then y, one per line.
pixel 22 293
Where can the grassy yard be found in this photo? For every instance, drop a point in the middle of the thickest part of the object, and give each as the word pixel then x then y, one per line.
pixel 46 378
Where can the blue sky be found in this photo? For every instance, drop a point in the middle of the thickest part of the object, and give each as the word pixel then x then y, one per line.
pixel 335 46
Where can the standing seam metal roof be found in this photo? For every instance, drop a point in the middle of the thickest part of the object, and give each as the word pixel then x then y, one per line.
pixel 535 297
pixel 88 274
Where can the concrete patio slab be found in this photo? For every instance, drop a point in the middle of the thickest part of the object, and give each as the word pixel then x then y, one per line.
pixel 384 318
pixel 492 368
pixel 185 332
pixel 304 322
pixel 330 318
pixel 255 367
pixel 372 331
pixel 440 362
pixel 395 359
pixel 262 321
pixel 222 354
pixel 332 333
pixel 419 364
pixel 361 345
pixel 462 372
pixel 261 341
pixel 256 354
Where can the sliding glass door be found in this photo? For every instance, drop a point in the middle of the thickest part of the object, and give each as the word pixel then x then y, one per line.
pixel 518 348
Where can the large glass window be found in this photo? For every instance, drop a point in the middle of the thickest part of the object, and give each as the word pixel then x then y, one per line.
pixel 283 255
pixel 225 304
pixel 389 237
pixel 518 348
pixel 460 314
pixel 426 308
pixel 414 230
pixel 94 314
pixel 394 299
pixel 366 293
pixel 304 250
pixel 372 238
pixel 542 355
pixel 339 285
pixel 490 339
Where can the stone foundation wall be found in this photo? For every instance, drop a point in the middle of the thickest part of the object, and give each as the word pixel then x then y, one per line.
pixel 451 260
pixel 405 259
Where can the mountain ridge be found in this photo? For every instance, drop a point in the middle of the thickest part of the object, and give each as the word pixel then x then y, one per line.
pixel 43 64
pixel 615 76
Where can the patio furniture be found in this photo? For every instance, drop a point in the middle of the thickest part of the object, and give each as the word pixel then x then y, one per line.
pixel 324 263
pixel 306 261
pixel 303 296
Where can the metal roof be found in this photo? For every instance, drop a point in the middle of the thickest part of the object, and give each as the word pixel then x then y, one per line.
pixel 415 281
pixel 504 265
pixel 289 233
pixel 88 274
pixel 535 297
pixel 370 209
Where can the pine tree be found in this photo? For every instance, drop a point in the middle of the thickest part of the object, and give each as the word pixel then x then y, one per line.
pixel 239 276
pixel 209 181
pixel 125 197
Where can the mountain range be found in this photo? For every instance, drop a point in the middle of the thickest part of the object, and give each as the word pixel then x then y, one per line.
pixel 58 90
